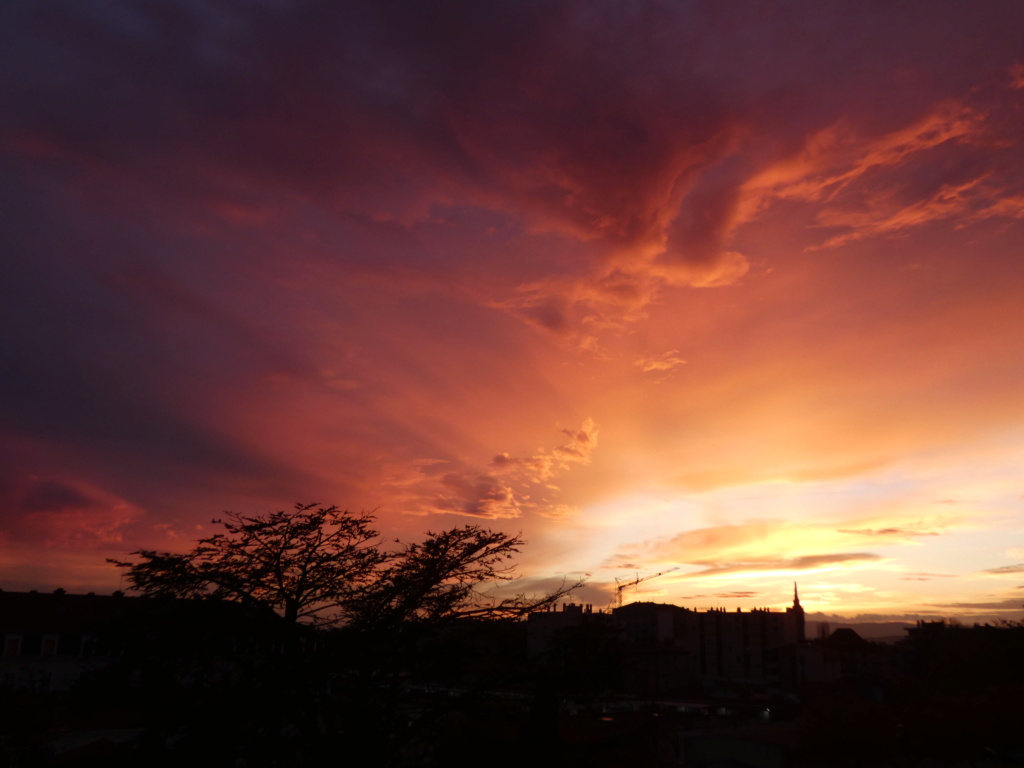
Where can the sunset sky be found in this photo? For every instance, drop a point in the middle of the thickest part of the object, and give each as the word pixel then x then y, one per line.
pixel 729 290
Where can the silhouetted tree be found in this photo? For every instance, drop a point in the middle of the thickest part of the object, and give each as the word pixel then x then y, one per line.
pixel 305 565
pixel 377 611
pixel 440 579
pixel 324 565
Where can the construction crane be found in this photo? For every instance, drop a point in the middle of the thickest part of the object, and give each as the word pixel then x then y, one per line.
pixel 638 580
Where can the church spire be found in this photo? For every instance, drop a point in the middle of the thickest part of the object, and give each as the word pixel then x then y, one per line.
pixel 795 615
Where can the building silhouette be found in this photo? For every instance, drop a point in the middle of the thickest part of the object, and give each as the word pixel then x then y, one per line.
pixel 669 647
pixel 50 641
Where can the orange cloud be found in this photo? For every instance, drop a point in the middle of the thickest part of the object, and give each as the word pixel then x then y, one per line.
pixel 664 362
pixel 508 488
pixel 836 157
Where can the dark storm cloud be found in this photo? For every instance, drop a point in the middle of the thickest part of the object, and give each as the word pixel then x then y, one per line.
pixel 53 495
pixel 59 512
pixel 622 125
pixel 102 345
pixel 379 107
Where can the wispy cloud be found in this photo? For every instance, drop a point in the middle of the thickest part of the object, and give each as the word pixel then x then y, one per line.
pixel 900 533
pixel 1009 604
pixel 542 466
pixel 968 202
pixel 1006 569
pixel 778 540
pixel 507 488
pixel 836 157
pixel 857 179
pixel 666 361
pixel 784 565
pixel 476 496
pixel 735 595
pixel 927 576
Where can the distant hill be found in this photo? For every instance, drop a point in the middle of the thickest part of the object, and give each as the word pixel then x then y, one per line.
pixel 875 631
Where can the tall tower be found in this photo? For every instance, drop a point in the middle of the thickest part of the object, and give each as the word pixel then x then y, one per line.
pixel 795 619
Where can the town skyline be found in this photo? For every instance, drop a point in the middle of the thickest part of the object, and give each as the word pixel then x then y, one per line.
pixel 735 296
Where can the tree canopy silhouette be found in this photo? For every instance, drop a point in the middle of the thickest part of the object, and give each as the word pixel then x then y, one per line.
pixel 324 565
pixel 304 565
